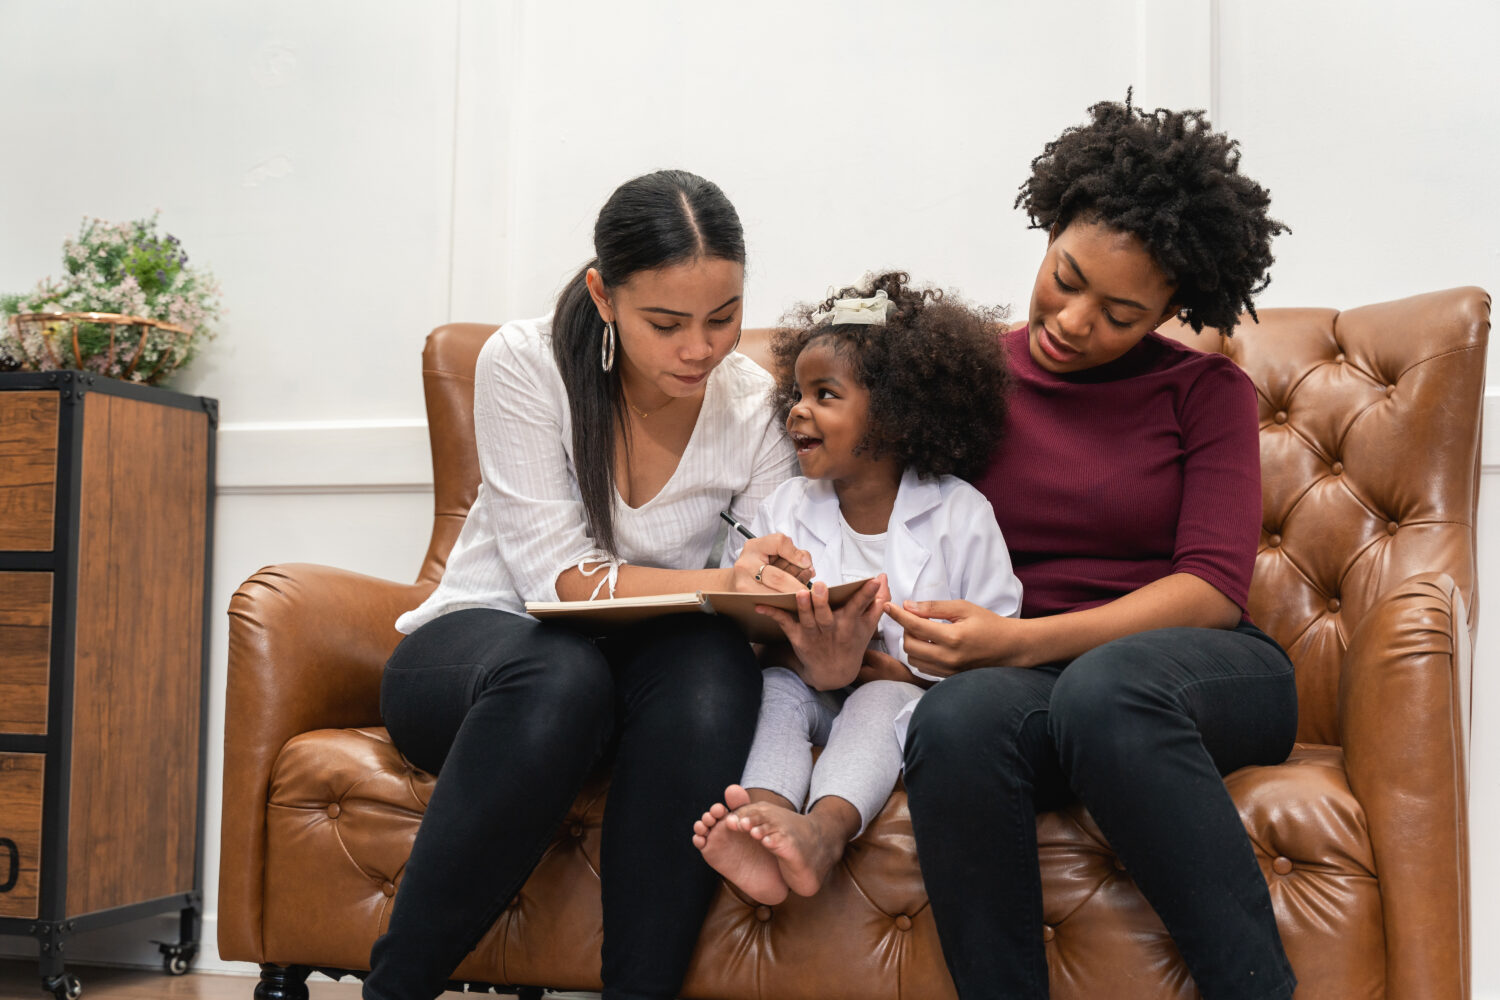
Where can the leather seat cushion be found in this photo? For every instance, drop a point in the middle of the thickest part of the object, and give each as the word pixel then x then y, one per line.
pixel 344 808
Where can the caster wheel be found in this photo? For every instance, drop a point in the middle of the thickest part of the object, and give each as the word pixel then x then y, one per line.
pixel 65 987
pixel 177 959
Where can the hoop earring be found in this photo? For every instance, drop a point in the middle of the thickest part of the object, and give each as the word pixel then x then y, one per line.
pixel 607 347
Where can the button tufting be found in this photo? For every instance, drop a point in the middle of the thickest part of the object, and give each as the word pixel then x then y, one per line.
pixel 389 888
pixel 1392 527
pixel 1338 468
pixel 1048 933
pixel 1273 541
pixel 1280 417
pixel 1333 604
pixel 1387 388
pixel 1119 865
pixel 762 913
pixel 903 922
pixel 1340 358
pixel 576 830
pixel 1282 866
pixel 333 810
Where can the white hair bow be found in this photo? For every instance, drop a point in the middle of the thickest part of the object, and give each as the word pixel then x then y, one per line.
pixel 872 311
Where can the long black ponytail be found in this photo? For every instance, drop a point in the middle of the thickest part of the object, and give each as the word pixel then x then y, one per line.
pixel 653 221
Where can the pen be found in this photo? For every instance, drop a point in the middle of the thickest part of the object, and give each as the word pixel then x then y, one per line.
pixel 737 526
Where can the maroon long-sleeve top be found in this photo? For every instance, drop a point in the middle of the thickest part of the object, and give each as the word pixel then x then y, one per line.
pixel 1114 477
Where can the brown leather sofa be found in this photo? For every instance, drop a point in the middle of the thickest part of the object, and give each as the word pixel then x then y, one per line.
pixel 1370 422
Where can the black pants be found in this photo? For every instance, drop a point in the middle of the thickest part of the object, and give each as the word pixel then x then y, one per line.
pixel 512 715
pixel 1141 730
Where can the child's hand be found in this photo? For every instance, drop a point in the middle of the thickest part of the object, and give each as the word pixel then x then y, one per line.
pixel 771 564
pixel 878 666
pixel 971 636
pixel 830 642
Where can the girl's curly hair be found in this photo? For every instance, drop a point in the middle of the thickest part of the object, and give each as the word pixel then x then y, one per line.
pixel 935 372
pixel 1172 182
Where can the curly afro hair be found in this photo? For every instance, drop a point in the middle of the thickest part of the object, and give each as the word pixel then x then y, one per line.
pixel 935 372
pixel 1168 179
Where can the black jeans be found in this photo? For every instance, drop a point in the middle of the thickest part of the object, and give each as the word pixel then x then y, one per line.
pixel 1141 730
pixel 511 715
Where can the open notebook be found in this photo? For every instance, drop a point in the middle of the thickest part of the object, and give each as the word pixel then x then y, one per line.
pixel 601 616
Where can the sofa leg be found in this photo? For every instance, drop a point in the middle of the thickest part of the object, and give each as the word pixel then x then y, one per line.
pixel 282 982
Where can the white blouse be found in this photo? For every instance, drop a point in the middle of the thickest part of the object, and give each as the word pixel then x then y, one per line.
pixel 527 524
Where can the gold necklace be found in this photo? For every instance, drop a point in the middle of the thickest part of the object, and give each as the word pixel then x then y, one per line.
pixel 642 413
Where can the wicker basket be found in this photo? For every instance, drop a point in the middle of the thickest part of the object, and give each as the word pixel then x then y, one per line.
pixel 126 347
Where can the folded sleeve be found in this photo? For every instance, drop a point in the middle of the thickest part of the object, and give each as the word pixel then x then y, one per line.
pixel 1218 527
pixel 527 480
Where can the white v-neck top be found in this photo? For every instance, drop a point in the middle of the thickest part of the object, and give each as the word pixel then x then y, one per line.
pixel 527 524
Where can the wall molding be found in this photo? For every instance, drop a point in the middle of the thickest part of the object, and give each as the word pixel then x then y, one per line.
pixel 324 456
pixel 393 456
pixel 1489 447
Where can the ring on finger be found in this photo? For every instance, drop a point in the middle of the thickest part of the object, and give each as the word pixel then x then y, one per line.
pixel 760 571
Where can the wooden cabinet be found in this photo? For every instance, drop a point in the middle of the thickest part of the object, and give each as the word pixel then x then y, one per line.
pixel 106 494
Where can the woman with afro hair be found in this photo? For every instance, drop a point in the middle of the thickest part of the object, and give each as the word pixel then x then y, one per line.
pixel 1128 490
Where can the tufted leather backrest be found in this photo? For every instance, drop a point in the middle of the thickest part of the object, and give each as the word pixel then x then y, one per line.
pixel 448 383
pixel 1369 442
pixel 1370 423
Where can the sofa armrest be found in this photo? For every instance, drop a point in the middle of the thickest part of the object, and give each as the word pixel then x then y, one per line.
pixel 1404 724
pixel 306 648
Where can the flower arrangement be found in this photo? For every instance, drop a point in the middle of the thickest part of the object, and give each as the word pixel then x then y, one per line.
pixel 128 307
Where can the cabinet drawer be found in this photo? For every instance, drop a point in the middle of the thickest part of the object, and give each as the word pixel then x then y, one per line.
pixel 20 833
pixel 25 651
pixel 28 470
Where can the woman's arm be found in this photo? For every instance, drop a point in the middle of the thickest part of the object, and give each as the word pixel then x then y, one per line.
pixel 971 636
pixel 766 555
pixel 1218 524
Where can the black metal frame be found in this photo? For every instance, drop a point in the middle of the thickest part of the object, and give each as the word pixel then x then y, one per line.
pixel 53 924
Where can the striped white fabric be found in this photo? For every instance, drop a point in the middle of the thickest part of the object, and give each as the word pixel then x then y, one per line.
pixel 527 524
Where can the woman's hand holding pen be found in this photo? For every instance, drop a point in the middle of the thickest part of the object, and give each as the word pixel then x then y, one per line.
pixel 771 564
pixel 799 566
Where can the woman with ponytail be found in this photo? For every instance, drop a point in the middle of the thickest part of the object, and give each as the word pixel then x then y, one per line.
pixel 610 437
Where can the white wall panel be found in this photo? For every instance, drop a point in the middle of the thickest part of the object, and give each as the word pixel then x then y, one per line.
pixel 303 151
pixel 1484 746
pixel 849 136
pixel 1376 128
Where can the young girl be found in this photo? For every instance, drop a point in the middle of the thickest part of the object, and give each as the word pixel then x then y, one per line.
pixel 890 394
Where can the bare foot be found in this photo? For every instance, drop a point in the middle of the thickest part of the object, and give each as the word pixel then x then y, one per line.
pixel 735 854
pixel 805 847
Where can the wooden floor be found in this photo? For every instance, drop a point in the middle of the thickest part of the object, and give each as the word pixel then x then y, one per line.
pixel 20 980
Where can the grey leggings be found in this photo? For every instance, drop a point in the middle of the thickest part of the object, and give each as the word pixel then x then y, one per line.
pixel 862 755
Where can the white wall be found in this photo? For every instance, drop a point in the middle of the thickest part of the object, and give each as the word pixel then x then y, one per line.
pixel 357 173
